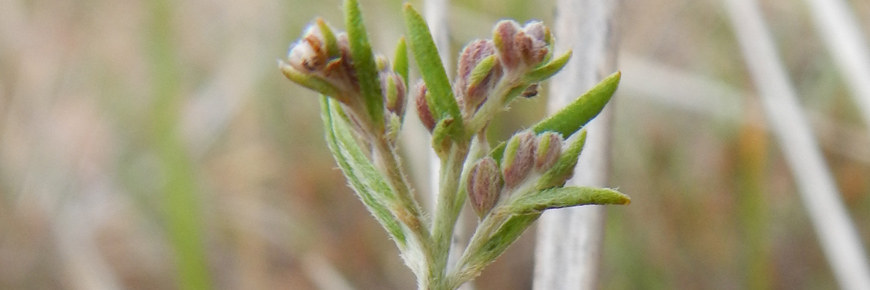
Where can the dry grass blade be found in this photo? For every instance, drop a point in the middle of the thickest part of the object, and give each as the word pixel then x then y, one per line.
pixel 838 237
pixel 576 251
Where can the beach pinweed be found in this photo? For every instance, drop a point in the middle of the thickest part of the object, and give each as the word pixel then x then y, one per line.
pixel 364 96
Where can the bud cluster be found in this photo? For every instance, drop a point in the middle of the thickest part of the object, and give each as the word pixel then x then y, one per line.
pixel 327 57
pixel 479 70
pixel 521 48
pixel 524 155
pixel 321 57
pixel 487 67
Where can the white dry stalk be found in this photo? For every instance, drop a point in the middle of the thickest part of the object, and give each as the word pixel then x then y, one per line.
pixel 839 239
pixel 839 29
pixel 569 240
pixel 674 88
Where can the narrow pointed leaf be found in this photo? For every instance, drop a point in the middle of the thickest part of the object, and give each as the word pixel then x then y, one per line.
pixel 581 111
pixel 329 38
pixel 368 184
pixel 479 72
pixel 575 115
pixel 566 197
pixel 308 81
pixel 431 69
pixel 548 70
pixel 364 62
pixel 400 63
pixel 475 259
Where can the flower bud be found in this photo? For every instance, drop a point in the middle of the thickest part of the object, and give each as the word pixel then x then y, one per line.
pixel 549 150
pixel 533 42
pixel 471 55
pixel 538 31
pixel 525 48
pixel 309 54
pixel 477 73
pixel 393 88
pixel 311 64
pixel 503 38
pixel 484 185
pixel 423 110
pixel 519 158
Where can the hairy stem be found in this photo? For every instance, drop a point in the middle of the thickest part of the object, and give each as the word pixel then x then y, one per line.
pixel 408 210
pixel 446 213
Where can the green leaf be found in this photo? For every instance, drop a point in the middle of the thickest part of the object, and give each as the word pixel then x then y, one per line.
pixel 566 197
pixel 331 43
pixel 477 258
pixel 400 64
pixel 311 82
pixel 575 115
pixel 548 70
pixel 581 111
pixel 481 70
pixel 364 63
pixel 431 69
pixel 362 175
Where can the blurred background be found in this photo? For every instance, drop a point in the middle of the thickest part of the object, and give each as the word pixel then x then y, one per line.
pixel 145 143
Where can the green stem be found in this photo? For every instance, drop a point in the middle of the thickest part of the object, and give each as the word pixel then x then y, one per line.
pixel 408 210
pixel 505 91
pixel 449 205
pixel 482 234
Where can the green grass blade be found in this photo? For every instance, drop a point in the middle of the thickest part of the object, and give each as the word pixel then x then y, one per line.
pixel 179 191
pixel 364 63
pixel 432 70
pixel 566 197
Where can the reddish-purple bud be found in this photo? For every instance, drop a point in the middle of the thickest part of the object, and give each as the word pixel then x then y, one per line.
pixel 477 73
pixel 519 158
pixel 423 110
pixel 471 55
pixel 532 48
pixel 538 31
pixel 503 38
pixel 484 185
pixel 549 150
